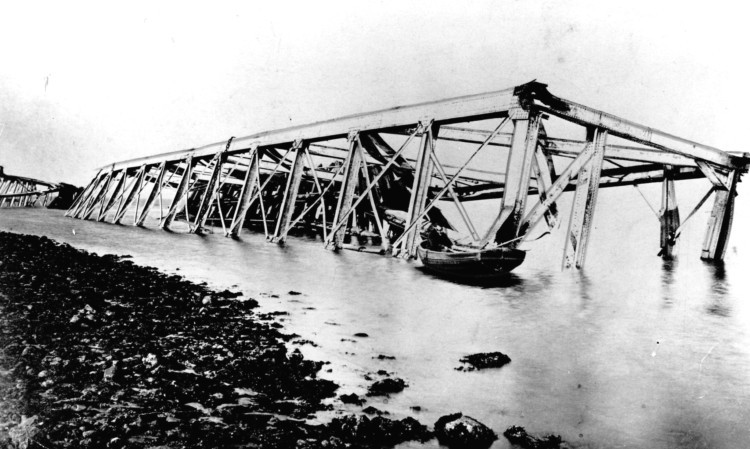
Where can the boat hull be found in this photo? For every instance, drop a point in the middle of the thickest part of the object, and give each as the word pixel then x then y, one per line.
pixel 472 264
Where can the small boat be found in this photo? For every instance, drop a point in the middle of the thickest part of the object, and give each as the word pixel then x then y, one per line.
pixel 470 263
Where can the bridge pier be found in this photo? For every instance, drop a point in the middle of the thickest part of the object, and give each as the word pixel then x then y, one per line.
pixel 670 214
pixel 289 199
pixel 521 156
pixel 246 194
pixel 208 194
pixel 420 187
pixel 584 202
pixel 155 190
pixel 720 221
pixel 346 195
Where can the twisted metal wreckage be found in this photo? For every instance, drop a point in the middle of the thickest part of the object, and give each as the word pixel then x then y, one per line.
pixel 18 191
pixel 349 176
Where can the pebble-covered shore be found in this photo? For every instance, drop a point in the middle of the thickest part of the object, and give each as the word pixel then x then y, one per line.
pixel 99 352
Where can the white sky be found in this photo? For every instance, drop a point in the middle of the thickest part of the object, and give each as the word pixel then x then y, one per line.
pixel 86 84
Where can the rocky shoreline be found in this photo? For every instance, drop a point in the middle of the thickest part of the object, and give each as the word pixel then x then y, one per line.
pixel 98 352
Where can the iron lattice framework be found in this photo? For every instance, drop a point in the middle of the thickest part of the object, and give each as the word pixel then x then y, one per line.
pixel 354 175
pixel 17 191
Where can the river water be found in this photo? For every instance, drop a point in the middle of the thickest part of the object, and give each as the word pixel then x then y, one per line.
pixel 632 351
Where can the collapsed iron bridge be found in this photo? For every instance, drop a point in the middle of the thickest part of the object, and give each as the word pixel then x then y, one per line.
pixel 19 191
pixel 378 174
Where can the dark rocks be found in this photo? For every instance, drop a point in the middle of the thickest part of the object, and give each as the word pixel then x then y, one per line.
pixel 484 360
pixel 351 399
pixel 517 435
pixel 373 411
pixel 463 432
pixel 386 386
pixel 101 353
pixel 378 431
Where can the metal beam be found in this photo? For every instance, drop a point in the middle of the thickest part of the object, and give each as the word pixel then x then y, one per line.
pixel 208 194
pixel 422 177
pixel 248 186
pixel 346 195
pixel 560 185
pixel 584 203
pixel 670 214
pixel 98 197
pixel 290 193
pixel 182 189
pixel 569 147
pixel 720 222
pixel 620 127
pixel 506 226
pixel 135 188
pixel 155 190
pixel 112 198
pixel 448 110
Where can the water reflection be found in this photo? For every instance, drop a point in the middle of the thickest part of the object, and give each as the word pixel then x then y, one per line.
pixel 718 290
pixel 506 280
pixel 668 268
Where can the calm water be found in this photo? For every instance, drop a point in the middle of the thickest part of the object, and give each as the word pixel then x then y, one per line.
pixel 630 352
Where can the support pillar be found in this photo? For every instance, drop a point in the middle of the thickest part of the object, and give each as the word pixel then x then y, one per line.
pixel 720 221
pixel 181 191
pixel 584 202
pixel 98 197
pixel 152 196
pixel 137 183
pixel 72 210
pixel 290 193
pixel 545 176
pixel 246 194
pixel 86 199
pixel 209 194
pixel 506 226
pixel 106 206
pixel 348 184
pixel 670 214
pixel 420 188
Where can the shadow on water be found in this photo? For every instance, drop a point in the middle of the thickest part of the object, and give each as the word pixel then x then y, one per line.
pixel 719 289
pixel 668 268
pixel 504 280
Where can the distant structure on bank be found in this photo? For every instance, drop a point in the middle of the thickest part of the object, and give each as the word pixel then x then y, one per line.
pixel 17 191
pixel 381 176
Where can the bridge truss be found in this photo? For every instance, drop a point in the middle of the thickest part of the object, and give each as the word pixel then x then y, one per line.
pixel 388 173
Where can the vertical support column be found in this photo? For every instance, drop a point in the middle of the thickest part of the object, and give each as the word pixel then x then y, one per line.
pixel 720 221
pixel 545 171
pixel 106 205
pixel 584 202
pixel 99 196
pixel 137 183
pixel 86 199
pixel 670 214
pixel 420 188
pixel 208 195
pixel 4 187
pixel 182 189
pixel 290 193
pixel 246 194
pixel 82 196
pixel 517 177
pixel 152 196
pixel 349 183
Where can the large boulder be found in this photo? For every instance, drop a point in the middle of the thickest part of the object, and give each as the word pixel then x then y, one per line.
pixel 458 432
